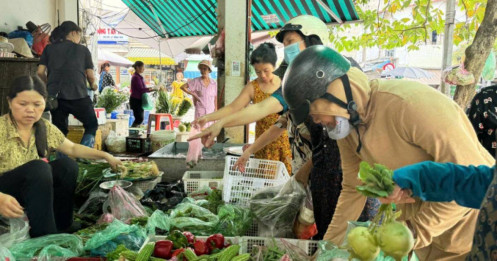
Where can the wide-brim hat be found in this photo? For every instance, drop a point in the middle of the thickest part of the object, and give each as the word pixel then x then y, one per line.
pixel 21 47
pixel 4 44
pixel 206 63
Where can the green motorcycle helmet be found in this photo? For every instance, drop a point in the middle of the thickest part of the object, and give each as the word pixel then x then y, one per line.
pixel 307 79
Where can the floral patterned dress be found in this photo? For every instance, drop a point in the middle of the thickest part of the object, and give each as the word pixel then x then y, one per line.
pixel 279 149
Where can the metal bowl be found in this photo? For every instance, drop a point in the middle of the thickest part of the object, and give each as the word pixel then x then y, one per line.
pixel 121 183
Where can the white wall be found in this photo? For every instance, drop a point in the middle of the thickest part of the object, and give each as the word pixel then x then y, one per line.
pixel 18 13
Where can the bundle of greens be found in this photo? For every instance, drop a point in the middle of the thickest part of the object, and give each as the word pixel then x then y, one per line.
pixel 184 106
pixel 162 104
pixel 111 98
pixel 139 170
pixel 378 181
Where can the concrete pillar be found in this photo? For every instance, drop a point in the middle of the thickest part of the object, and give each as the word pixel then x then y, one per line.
pixel 232 17
pixel 67 11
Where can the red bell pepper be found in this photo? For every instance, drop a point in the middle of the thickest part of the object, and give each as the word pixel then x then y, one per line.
pixel 163 249
pixel 215 241
pixel 200 248
pixel 190 237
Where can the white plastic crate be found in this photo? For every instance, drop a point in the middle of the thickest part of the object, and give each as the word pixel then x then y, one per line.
pixel 99 112
pixel 249 243
pixel 239 187
pixel 195 180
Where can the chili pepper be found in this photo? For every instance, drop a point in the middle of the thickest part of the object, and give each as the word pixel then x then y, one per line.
pixel 200 248
pixel 190 237
pixel 215 241
pixel 163 249
pixel 179 240
pixel 178 253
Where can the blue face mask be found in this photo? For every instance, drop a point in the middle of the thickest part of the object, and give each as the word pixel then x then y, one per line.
pixel 291 52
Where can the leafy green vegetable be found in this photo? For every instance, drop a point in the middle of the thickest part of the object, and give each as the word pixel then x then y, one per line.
pixel 214 200
pixel 377 180
pixel 114 255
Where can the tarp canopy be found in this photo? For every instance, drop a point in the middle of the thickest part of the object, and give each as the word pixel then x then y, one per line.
pixel 178 18
pixel 113 59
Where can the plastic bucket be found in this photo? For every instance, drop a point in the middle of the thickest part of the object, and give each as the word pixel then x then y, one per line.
pixel 159 139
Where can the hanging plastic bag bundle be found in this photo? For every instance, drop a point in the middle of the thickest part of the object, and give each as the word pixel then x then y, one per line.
pixel 56 245
pixel 123 205
pixel 194 149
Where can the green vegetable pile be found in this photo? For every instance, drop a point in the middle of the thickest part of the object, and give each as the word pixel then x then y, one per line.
pixel 384 232
pixel 111 98
pixel 378 180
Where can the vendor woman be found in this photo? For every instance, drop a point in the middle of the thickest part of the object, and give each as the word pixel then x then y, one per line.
pixel 28 184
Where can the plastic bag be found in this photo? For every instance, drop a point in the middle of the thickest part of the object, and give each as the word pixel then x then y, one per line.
pixel 123 205
pixel 5 254
pixel 164 196
pixel 328 251
pixel 295 252
pixel 488 72
pixel 159 220
pixel 234 220
pixel 193 218
pixel 117 233
pixel 62 245
pixel 115 143
pixel 147 103
pixel 19 231
pixel 458 76
pixel 194 149
pixel 305 226
pixel 276 208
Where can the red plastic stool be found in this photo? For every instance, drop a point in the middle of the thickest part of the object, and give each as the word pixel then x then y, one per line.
pixel 157 119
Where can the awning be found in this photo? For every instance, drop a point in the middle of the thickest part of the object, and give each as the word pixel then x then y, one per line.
pixel 113 59
pixel 180 18
pixel 149 56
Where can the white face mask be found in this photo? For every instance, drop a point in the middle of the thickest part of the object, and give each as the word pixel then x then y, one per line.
pixel 341 130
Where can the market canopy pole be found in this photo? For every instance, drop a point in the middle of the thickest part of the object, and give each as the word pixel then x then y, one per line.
pixel 232 17
pixel 448 42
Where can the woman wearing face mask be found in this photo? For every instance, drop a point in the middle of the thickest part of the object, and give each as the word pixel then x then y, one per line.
pixel 263 59
pixel 69 66
pixel 203 89
pixel 307 140
pixel 390 122
pixel 29 184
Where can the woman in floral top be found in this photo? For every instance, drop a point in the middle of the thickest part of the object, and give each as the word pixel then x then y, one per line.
pixel 483 116
pixel 28 184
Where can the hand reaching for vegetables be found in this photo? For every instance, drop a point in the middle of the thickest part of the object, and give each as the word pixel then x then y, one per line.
pixel 242 161
pixel 398 196
pixel 114 162
pixel 9 207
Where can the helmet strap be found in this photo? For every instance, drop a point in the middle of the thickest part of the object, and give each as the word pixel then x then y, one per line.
pixel 350 106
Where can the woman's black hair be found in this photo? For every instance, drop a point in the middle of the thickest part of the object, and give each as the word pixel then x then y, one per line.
pixel 265 53
pixel 138 64
pixel 32 83
pixel 102 67
pixel 60 32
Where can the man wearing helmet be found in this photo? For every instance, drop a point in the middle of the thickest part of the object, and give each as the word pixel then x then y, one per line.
pixel 394 123
pixel 324 169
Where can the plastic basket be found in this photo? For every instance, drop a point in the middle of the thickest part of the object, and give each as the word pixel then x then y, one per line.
pixel 248 243
pixel 239 187
pixel 145 185
pixel 195 180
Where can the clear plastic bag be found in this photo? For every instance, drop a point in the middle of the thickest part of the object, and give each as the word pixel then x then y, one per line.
pixel 458 76
pixel 113 233
pixel 5 254
pixel 305 226
pixel 94 203
pixel 276 208
pixel 194 149
pixel 293 251
pixel 115 143
pixel 193 218
pixel 61 245
pixel 123 206
pixel 19 231
pixel 160 220
pixel 328 251
pixel 488 72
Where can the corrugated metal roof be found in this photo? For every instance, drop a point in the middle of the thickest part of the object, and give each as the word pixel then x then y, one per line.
pixel 179 18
